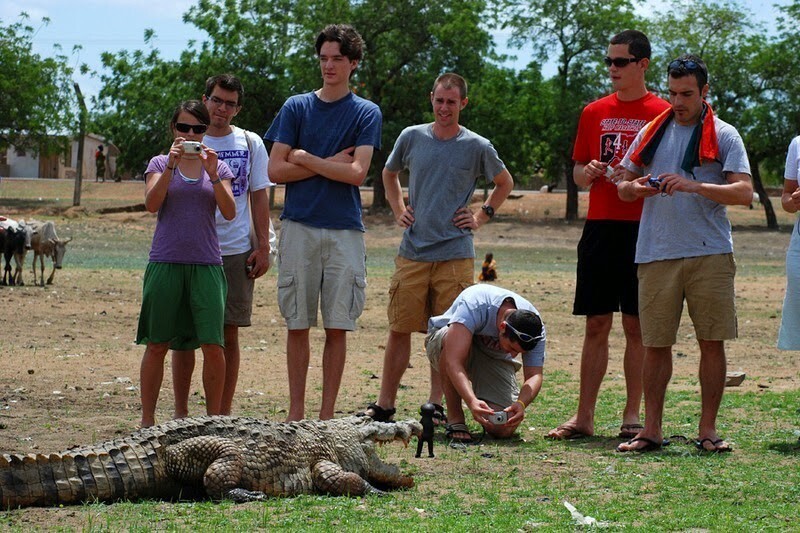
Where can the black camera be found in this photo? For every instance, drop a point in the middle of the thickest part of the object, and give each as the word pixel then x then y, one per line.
pixel 654 182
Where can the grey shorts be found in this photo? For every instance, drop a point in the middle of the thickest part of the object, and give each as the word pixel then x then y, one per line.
pixel 493 377
pixel 239 304
pixel 322 269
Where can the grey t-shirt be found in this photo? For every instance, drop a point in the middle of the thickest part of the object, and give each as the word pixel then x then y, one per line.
pixel 442 178
pixel 476 309
pixel 687 224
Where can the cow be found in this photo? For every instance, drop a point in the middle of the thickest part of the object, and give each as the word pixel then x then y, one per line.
pixel 16 241
pixel 45 243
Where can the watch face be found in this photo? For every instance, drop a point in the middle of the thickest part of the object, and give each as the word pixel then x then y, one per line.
pixel 489 210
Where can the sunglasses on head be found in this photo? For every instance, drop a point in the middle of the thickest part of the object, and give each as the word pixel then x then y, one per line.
pixel 688 64
pixel 620 62
pixel 184 128
pixel 524 337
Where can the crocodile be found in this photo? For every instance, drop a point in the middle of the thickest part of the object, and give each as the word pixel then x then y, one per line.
pixel 217 457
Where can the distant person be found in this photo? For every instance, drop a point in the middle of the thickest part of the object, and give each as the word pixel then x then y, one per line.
pixel 100 164
pixel 477 346
pixel 323 144
pixel 606 274
pixel 244 153
pixel 789 335
pixel 183 298
pixel 488 268
pixel 436 259
pixel 688 165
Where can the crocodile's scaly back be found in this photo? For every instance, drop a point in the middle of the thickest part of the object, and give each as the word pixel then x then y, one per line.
pixel 222 457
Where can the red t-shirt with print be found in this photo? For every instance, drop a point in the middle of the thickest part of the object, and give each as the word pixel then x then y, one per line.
pixel 606 130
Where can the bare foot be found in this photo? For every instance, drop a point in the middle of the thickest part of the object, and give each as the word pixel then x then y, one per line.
pixel 569 431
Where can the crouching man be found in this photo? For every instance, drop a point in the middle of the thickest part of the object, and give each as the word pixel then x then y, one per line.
pixel 476 345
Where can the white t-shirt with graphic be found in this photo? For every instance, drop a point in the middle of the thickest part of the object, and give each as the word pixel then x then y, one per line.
pixel 234 235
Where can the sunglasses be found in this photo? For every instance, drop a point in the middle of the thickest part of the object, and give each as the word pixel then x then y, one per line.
pixel 524 337
pixel 620 62
pixel 227 103
pixel 197 128
pixel 687 64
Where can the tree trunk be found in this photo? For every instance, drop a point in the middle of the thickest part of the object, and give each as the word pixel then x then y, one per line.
pixel 572 193
pixel 758 186
pixel 379 203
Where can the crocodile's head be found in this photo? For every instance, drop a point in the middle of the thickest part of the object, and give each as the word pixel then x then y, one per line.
pixel 382 432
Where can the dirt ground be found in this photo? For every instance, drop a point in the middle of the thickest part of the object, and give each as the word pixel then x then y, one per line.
pixel 70 370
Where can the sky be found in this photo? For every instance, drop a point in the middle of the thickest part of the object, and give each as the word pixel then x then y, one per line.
pixel 111 25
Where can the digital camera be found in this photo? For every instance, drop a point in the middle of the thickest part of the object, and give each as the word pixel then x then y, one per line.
pixel 654 182
pixel 499 418
pixel 192 147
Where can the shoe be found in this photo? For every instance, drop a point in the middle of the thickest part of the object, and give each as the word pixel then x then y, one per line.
pixel 567 433
pixel 650 445
pixel 700 445
pixel 629 431
pixel 458 427
pixel 379 414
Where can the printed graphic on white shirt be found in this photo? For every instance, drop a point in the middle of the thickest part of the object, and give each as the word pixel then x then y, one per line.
pixel 237 161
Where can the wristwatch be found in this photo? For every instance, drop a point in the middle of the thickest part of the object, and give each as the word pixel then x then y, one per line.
pixel 489 210
pixel 214 182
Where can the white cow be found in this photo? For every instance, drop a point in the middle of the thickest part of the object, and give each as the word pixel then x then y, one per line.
pixel 45 242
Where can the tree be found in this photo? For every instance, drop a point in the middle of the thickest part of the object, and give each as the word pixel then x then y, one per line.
pixel 36 98
pixel 269 45
pixel 578 31
pixel 513 110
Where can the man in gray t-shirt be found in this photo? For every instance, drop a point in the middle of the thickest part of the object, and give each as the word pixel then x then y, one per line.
pixel 436 257
pixel 694 164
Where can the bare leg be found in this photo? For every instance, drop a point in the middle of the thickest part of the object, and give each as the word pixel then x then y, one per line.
pixel 634 359
pixel 333 358
pixel 213 376
pixel 594 362
pixel 232 357
pixel 395 363
pixel 437 389
pixel 182 370
pixel 455 409
pixel 298 355
pixel 712 385
pixel 151 374
pixel 657 372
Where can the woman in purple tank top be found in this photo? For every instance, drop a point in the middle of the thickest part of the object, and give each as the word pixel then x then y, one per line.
pixel 184 290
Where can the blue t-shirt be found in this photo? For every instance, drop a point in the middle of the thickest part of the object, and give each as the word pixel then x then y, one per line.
pixel 324 129
pixel 476 309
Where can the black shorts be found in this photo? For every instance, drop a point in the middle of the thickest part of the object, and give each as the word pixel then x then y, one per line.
pixel 607 280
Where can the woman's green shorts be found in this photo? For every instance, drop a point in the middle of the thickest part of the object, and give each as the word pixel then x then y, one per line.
pixel 183 305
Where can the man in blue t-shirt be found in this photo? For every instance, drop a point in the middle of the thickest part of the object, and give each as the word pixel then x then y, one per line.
pixel 323 144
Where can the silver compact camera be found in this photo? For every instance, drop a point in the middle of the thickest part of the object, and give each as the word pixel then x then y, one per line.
pixel 192 147
pixel 498 418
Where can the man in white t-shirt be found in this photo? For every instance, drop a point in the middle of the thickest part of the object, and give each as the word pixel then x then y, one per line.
pixel 244 261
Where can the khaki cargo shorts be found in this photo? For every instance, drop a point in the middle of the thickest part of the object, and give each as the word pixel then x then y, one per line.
pixel 705 282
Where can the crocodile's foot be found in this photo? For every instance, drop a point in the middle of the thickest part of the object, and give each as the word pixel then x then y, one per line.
pixel 244 495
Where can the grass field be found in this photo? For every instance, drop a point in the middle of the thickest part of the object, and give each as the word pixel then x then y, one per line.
pixel 75 337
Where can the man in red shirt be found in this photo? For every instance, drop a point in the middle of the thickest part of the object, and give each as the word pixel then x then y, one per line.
pixel 606 277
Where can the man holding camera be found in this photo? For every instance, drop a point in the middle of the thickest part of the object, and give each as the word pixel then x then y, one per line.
pixel 606 274
pixel 243 151
pixel 685 248
pixel 477 346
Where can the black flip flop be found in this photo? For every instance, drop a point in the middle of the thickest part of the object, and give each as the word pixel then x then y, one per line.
pixel 650 445
pixel 700 446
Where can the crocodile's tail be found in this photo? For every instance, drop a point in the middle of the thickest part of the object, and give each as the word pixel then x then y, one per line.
pixel 106 474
